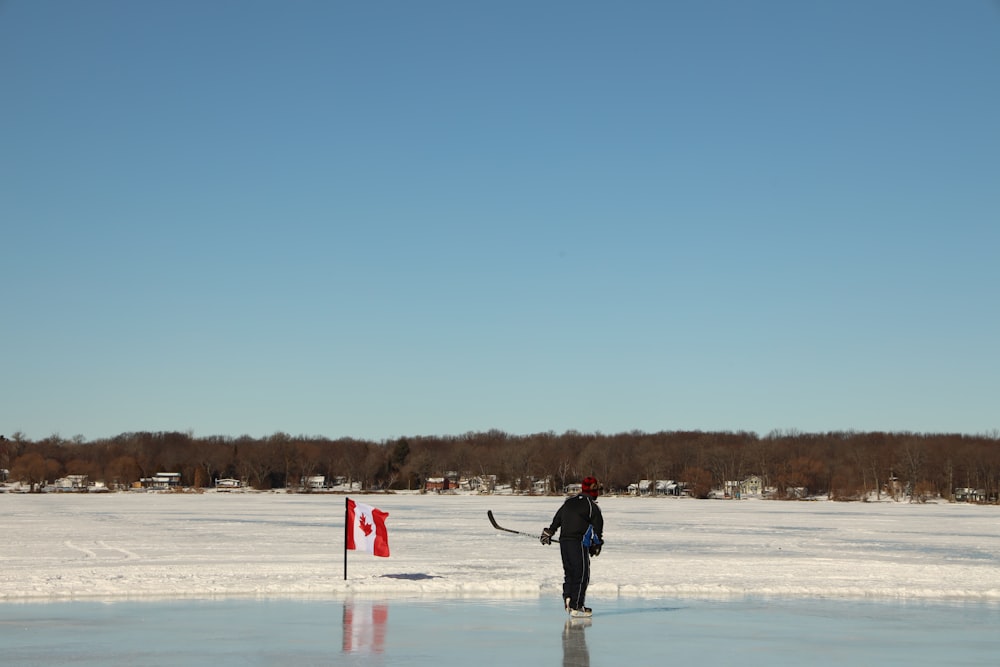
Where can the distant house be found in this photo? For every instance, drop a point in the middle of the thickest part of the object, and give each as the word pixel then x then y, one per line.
pixel 341 483
pixel 752 486
pixel 228 484
pixel 666 487
pixel 71 483
pixel 479 484
pixel 968 495
pixel 437 484
pixel 893 487
pixel 161 481
pixel 541 486
pixel 640 488
pixel 314 482
pixel 658 487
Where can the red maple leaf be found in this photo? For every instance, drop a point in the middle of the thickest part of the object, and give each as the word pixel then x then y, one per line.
pixel 366 527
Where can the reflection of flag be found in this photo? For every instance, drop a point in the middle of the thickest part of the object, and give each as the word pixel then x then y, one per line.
pixel 364 627
pixel 366 529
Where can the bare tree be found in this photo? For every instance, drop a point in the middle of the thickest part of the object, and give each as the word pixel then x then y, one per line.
pixel 32 469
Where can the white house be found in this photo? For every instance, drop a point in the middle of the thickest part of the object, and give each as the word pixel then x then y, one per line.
pixel 314 482
pixel 71 483
pixel 659 487
pixel 969 495
pixel 161 481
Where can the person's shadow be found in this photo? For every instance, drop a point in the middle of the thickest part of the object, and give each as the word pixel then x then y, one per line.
pixel 574 643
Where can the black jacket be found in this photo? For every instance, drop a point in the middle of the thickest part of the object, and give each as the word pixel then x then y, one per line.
pixel 575 515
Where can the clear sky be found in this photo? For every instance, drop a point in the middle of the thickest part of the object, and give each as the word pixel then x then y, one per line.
pixel 378 219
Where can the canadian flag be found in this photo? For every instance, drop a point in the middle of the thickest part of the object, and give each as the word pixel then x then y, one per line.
pixel 366 529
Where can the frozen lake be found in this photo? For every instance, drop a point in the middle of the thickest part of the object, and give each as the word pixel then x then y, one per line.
pixel 115 546
pixel 258 579
pixel 477 631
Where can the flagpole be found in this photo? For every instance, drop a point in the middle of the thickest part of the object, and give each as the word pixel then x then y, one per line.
pixel 346 528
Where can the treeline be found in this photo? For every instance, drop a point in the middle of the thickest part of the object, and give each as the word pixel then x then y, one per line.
pixel 842 465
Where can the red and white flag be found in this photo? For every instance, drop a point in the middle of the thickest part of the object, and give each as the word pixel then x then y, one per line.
pixel 366 529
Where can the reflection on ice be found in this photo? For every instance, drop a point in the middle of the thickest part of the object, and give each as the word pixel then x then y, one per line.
pixel 420 631
pixel 574 643
pixel 364 627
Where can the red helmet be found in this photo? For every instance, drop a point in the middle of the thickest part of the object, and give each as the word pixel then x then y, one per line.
pixel 591 487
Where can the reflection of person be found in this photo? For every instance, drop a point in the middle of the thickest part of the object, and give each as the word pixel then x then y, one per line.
pixel 581 534
pixel 574 641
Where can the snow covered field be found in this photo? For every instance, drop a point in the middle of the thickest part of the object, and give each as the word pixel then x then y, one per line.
pixel 277 545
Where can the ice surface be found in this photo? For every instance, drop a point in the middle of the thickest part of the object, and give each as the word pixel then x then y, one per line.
pixel 213 545
pixel 521 631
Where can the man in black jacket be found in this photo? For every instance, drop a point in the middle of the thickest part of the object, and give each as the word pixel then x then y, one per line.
pixel 582 534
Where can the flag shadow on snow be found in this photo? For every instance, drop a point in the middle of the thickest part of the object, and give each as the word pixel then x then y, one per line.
pixel 416 576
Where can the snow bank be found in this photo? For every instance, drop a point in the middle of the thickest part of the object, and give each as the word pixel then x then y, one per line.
pixel 68 546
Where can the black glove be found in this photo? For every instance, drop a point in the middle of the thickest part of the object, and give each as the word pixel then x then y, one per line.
pixel 546 537
pixel 595 549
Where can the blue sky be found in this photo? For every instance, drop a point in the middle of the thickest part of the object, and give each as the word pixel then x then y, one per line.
pixel 402 218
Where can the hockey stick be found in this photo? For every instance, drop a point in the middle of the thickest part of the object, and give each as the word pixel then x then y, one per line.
pixel 496 525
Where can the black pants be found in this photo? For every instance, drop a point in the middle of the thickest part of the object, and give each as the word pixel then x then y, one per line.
pixel 576 572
